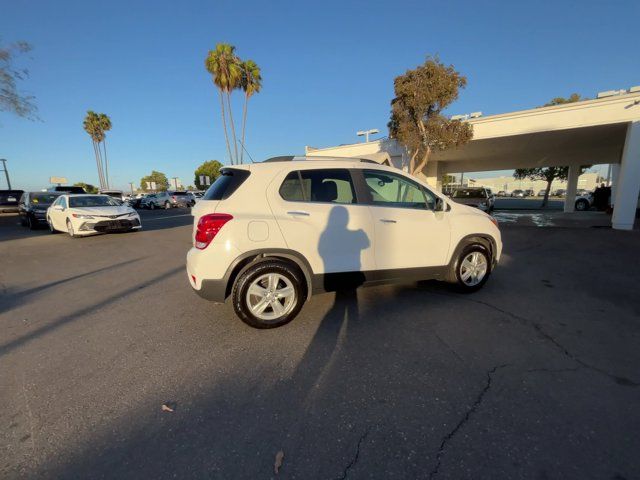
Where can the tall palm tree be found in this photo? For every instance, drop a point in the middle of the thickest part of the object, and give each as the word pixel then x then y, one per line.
pixel 91 125
pixel 105 125
pixel 250 83
pixel 224 67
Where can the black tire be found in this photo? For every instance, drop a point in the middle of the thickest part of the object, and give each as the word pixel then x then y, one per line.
pixel 244 281
pixel 152 206
pixel 31 223
pixel 456 274
pixel 167 205
pixel 52 230
pixel 582 205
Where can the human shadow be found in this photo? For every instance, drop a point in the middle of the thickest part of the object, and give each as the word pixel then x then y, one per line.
pixel 340 249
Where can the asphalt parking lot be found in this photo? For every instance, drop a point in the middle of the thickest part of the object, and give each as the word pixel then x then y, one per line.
pixel 536 376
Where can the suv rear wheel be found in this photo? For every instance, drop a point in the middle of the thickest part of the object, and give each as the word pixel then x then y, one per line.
pixel 472 268
pixel 268 294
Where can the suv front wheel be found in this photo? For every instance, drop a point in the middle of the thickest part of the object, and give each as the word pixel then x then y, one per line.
pixel 268 294
pixel 472 268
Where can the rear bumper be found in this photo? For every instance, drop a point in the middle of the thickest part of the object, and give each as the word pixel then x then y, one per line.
pixel 212 290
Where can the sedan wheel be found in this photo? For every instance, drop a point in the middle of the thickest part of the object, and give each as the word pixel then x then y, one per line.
pixel 70 229
pixel 167 205
pixel 152 206
pixel 582 205
pixel 51 229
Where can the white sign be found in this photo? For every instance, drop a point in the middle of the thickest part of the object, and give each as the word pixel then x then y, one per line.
pixel 151 185
pixel 57 180
pixel 205 180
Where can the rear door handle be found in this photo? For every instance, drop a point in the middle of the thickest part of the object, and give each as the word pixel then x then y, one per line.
pixel 299 212
pixel 386 220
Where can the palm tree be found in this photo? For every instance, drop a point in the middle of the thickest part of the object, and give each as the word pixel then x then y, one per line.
pixel 91 125
pixel 251 83
pixel 105 125
pixel 224 66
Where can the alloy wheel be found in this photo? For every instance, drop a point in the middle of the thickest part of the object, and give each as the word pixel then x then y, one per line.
pixel 271 296
pixel 473 268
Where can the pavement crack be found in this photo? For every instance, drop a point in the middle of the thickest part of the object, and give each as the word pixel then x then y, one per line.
pixel 449 436
pixel 549 338
pixel 354 460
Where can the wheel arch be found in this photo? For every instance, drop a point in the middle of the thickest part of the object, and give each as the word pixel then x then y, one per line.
pixel 249 259
pixel 484 239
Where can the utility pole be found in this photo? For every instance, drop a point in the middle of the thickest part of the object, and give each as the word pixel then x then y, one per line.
pixel 131 185
pixel 175 182
pixel 6 172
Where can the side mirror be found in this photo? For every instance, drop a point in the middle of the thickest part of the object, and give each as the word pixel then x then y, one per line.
pixel 440 205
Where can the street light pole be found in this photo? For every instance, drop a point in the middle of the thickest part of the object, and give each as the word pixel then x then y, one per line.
pixel 6 172
pixel 131 185
pixel 175 182
pixel 366 133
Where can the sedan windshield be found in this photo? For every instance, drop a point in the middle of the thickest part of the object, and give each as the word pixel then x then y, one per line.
pixel 92 201
pixel 468 193
pixel 44 198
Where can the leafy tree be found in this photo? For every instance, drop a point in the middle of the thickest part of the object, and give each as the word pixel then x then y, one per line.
pixel 210 168
pixel 574 97
pixel 87 187
pixel 162 182
pixel 226 72
pixel 11 100
pixel 105 125
pixel 417 121
pixel 548 174
pixel 251 83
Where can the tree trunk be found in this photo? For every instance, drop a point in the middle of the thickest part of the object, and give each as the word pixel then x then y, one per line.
pixel 106 162
pixel 224 124
pixel 545 199
pixel 423 162
pixel 98 165
pixel 244 123
pixel 233 127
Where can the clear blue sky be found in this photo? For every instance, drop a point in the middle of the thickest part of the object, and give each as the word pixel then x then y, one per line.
pixel 328 70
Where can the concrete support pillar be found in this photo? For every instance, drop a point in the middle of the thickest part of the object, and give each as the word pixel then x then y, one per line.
pixel 628 181
pixel 572 187
pixel 615 173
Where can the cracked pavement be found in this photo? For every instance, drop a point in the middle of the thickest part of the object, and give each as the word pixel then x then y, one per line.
pixel 535 376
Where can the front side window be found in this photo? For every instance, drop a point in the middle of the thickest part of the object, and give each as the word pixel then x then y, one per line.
pixel 63 202
pixel 392 190
pixel 319 186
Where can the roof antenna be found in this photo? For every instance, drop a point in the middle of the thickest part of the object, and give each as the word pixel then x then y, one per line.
pixel 243 147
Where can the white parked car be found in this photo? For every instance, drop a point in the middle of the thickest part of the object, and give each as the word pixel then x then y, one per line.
pixel 89 214
pixel 271 234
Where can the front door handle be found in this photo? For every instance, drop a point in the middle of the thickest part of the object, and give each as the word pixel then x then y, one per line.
pixel 386 220
pixel 299 212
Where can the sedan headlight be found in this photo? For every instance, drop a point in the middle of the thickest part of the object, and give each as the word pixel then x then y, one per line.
pixel 79 215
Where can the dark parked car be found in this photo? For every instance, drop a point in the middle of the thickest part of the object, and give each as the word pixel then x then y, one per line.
pixel 478 197
pixel 517 193
pixel 33 207
pixel 9 200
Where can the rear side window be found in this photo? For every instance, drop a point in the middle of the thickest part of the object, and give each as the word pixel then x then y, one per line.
pixel 319 186
pixel 227 183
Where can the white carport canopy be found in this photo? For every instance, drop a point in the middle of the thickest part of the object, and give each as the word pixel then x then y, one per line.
pixel 605 130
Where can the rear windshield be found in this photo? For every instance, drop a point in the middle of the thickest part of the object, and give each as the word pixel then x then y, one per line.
pixel 179 193
pixel 10 196
pixel 44 198
pixel 92 201
pixel 69 189
pixel 468 193
pixel 227 183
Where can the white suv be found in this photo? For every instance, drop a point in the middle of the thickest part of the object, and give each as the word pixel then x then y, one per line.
pixel 271 234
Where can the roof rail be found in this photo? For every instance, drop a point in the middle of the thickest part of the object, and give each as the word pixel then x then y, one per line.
pixel 289 158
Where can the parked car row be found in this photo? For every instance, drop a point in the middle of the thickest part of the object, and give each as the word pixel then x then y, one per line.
pixel 77 214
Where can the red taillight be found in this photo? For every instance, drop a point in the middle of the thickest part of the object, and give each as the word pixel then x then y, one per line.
pixel 208 227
